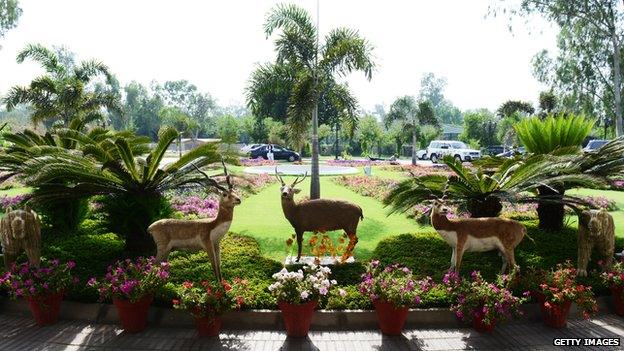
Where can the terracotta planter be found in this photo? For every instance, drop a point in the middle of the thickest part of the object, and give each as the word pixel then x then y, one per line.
pixel 297 318
pixel 390 318
pixel 479 325
pixel 618 299
pixel 45 309
pixel 133 315
pixel 208 326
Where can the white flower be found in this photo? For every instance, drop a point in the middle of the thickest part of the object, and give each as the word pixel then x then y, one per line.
pixel 350 259
pixel 304 294
pixel 334 282
pixel 342 292
pixel 323 291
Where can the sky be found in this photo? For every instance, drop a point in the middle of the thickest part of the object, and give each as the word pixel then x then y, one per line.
pixel 217 44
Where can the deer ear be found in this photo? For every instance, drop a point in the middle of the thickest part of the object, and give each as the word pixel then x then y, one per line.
pixel 296 191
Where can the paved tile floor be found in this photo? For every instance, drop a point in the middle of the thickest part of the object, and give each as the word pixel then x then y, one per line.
pixel 20 333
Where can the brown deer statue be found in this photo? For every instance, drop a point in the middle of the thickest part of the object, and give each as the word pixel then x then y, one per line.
pixel 319 215
pixel 477 234
pixel 21 230
pixel 198 234
pixel 596 232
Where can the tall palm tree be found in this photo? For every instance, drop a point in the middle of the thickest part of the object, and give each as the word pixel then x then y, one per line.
pixel 314 65
pixel 412 116
pixel 63 93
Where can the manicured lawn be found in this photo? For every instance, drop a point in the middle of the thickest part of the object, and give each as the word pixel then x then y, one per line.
pixel 617 196
pixel 261 217
pixel 14 191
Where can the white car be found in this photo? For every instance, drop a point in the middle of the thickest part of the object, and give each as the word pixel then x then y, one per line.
pixel 460 151
pixel 421 154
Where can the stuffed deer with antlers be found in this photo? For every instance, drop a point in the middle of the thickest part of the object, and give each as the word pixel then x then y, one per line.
pixel 199 234
pixel 319 215
pixel 477 234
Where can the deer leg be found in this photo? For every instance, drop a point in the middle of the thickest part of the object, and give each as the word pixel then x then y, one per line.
pixel 217 250
pixel 453 255
pixel 162 252
pixel 33 256
pixel 210 250
pixel 584 253
pixel 504 259
pixel 299 245
pixel 9 257
pixel 458 255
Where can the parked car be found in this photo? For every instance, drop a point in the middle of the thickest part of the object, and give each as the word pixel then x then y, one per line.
pixel 595 144
pixel 513 152
pixel 279 153
pixel 247 148
pixel 493 150
pixel 460 151
pixel 421 154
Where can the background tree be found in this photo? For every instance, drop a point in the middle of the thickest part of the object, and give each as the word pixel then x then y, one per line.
pixel 63 93
pixel 480 125
pixel 411 115
pixel 142 110
pixel 548 102
pixel 368 134
pixel 511 107
pixel 10 13
pixel 228 129
pixel 180 121
pixel 587 69
pixel 315 66
pixel 432 90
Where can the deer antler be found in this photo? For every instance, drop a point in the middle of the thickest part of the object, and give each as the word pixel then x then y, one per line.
pixel 279 177
pixel 228 178
pixel 297 181
pixel 210 180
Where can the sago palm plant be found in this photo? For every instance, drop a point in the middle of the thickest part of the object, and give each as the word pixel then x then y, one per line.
pixel 556 135
pixel 481 192
pixel 131 182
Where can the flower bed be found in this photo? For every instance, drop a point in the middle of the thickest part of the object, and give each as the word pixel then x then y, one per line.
pixel 373 187
pixel 12 201
pixel 249 162
pixel 355 163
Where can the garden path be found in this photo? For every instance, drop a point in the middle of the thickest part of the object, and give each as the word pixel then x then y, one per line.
pixel 20 333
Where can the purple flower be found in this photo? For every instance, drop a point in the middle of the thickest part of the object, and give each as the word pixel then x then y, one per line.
pixel 71 264
pixel 459 314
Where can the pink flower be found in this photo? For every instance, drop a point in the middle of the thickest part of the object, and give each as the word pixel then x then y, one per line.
pixel 71 264
pixel 342 292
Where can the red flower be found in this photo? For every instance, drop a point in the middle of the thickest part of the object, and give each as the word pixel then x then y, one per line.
pixel 227 286
pixel 175 302
pixel 187 285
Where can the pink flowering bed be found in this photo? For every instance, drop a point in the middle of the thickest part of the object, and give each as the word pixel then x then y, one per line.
pixel 418 170
pixel 12 201
pixel 373 187
pixel 249 162
pixel 355 163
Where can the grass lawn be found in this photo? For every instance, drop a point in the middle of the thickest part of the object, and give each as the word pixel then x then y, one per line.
pixel 15 191
pixel 617 196
pixel 261 217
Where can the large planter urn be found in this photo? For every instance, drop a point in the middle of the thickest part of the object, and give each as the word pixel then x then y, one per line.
pixel 133 315
pixel 297 318
pixel 391 318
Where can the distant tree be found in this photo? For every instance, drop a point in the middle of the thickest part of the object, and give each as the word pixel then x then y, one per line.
pixel 143 110
pixel 180 121
pixel 63 93
pixel 586 71
pixel 432 90
pixel 511 107
pixel 246 127
pixel 369 132
pixel 399 136
pixel 228 129
pixel 10 13
pixel 276 131
pixel 547 103
pixel 411 115
pixel 480 125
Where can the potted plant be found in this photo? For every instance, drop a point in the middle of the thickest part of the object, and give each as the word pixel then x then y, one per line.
pixel 392 290
pixel 131 285
pixel 207 301
pixel 482 303
pixel 614 278
pixel 297 295
pixel 556 292
pixel 43 287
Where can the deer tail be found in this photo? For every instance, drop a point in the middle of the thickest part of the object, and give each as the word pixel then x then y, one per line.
pixel 524 230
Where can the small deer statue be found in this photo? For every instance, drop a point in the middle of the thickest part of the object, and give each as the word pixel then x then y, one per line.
pixel 199 234
pixel 319 215
pixel 21 230
pixel 478 234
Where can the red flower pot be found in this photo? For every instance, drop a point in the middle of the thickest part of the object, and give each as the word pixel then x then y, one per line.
pixel 46 308
pixel 133 315
pixel 479 325
pixel 556 315
pixel 297 318
pixel 618 299
pixel 390 318
pixel 208 326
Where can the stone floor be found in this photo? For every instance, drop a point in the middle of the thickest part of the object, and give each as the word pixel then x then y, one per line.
pixel 20 333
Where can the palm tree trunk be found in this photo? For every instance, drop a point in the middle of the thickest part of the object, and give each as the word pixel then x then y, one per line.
pixel 180 145
pixel 315 182
pixel 336 141
pixel 414 141
pixel 617 81
pixel 550 214
pixel 489 207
